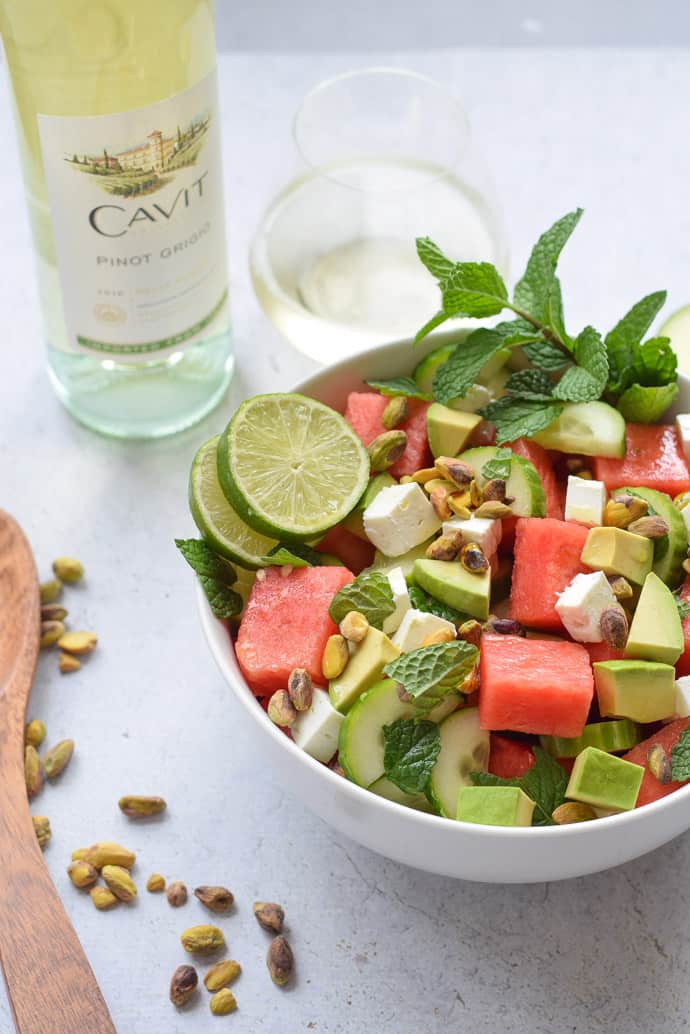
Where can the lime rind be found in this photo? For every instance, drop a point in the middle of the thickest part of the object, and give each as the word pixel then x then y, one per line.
pixel 219 524
pixel 291 466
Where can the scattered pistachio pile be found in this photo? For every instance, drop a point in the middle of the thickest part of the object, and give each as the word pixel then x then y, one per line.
pixel 37 769
pixel 72 645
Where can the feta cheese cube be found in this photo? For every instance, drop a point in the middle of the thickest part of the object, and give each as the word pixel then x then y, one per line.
pixel 585 501
pixel 400 518
pixel 316 730
pixel 401 599
pixel 582 603
pixel 682 707
pixel 480 530
pixel 683 428
pixel 416 626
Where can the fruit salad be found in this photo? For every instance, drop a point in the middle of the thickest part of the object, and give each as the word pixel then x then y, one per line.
pixel 468 592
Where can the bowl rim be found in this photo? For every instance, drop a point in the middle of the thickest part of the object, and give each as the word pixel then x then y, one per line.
pixel 215 628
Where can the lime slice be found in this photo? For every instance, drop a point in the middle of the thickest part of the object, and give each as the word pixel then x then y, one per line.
pixel 291 466
pixel 214 516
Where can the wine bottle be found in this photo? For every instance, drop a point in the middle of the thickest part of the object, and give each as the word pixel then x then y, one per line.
pixel 116 104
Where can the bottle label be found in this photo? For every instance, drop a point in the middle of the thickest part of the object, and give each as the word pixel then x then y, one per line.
pixel 136 204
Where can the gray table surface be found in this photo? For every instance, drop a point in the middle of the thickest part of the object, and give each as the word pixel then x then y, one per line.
pixel 380 947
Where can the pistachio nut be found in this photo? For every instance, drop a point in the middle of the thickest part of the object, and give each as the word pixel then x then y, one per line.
pixel 472 558
pixel 56 760
pixel 33 772
pixel 495 490
pixel 107 852
pixel 300 689
pixel 134 806
pixel 103 898
pixel 269 915
pixel 438 497
pixel 446 547
pixel 281 710
pixel 471 632
pixel 430 486
pixel 118 880
pixel 493 510
pixel 42 829
pixel 659 764
pixel 155 883
pixel 280 960
pixel 623 510
pixel 455 470
pixel 53 612
pixel 396 412
pixel 34 732
pixel 573 464
pixel 51 632
pixel 335 657
pixel 476 494
pixel 441 635
pixel 403 695
pixel 652 527
pixel 425 474
pixel 79 854
pixel 620 587
pixel 458 505
pixel 385 449
pixel 222 974
pixel 216 899
pixel 176 894
pixel 78 642
pixel 223 1002
pixel 573 811
pixel 613 626
pixel 68 663
pixel 202 940
pixel 82 874
pixel 505 626
pixel 67 569
pixel 50 591
pixel 353 627
pixel 183 984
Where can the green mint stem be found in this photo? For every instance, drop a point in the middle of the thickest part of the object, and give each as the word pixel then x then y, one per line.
pixel 548 333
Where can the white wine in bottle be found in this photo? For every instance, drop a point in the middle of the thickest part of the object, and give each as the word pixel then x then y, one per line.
pixel 119 132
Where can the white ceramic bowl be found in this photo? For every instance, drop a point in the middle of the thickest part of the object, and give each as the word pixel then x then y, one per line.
pixel 484 853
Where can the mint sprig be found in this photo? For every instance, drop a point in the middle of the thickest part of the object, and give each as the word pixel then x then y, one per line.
pixel 294 555
pixel 422 600
pixel 405 386
pixel 545 782
pixel 215 575
pixel 680 758
pixel 442 665
pixel 409 753
pixel 370 594
pixel 499 466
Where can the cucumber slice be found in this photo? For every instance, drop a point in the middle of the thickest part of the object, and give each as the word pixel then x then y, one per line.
pixel 587 428
pixel 677 327
pixel 671 550
pixel 524 484
pixel 620 734
pixel 360 748
pixel 385 788
pixel 464 749
pixel 426 368
pixel 490 377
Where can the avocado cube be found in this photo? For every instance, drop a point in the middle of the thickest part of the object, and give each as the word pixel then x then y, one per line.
pixel 641 690
pixel 615 551
pixel 353 522
pixel 494 806
pixel 452 584
pixel 448 429
pixel 364 668
pixel 656 633
pixel 604 781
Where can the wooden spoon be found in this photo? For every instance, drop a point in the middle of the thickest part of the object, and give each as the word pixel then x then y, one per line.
pixel 50 983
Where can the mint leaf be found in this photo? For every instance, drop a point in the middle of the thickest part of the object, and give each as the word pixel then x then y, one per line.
pixel 434 259
pixel 294 555
pixel 499 466
pixel 442 664
pixel 370 594
pixel 430 325
pixel 645 405
pixel 215 575
pixel 545 356
pixel 626 335
pixel 399 386
pixel 455 377
pixel 520 418
pixel 654 363
pixel 680 758
pixel 517 332
pixel 529 384
pixel 554 312
pixel 537 293
pixel 421 600
pixel 545 782
pixel 683 607
pixel 586 381
pixel 473 289
pixel 410 752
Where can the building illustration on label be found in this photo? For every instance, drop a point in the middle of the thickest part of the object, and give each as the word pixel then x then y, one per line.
pixel 148 165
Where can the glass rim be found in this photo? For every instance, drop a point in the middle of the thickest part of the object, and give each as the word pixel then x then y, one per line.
pixel 374 71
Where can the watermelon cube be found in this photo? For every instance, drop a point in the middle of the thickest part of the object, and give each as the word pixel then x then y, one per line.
pixel 547 558
pixel 603 652
pixel 667 737
pixel 286 624
pixel 534 685
pixel 653 459
pixel 541 461
pixel 354 553
pixel 363 413
pixel 683 662
pixel 509 758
